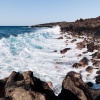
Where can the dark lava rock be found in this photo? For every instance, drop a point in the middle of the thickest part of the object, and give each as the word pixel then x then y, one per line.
pixel 2 90
pixel 55 51
pixel 89 69
pixel 97 79
pixel 98 72
pixel 73 88
pixel 96 55
pixel 60 37
pixel 90 47
pixel 64 50
pixel 79 55
pixel 76 65
pixel 84 61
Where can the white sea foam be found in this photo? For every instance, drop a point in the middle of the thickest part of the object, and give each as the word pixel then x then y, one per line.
pixel 34 52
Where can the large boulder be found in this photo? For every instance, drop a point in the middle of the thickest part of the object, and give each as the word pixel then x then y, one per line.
pixel 83 61
pixel 73 88
pixel 27 87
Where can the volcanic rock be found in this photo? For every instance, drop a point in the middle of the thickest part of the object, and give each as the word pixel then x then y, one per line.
pixel 84 61
pixel 98 72
pixel 96 55
pixel 64 50
pixel 89 69
pixel 76 65
pixel 97 79
pixel 27 87
pixel 60 37
pixel 73 88
pixel 73 40
pixel 90 47
pixel 96 63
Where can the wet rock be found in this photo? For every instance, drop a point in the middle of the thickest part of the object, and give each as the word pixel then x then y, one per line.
pixel 76 65
pixel 27 87
pixel 80 45
pixel 79 55
pixel 89 69
pixel 85 52
pixel 73 40
pixel 60 37
pixel 84 61
pixel 98 72
pixel 96 63
pixel 55 51
pixel 90 47
pixel 2 88
pixel 64 50
pixel 73 88
pixel 96 55
pixel 97 79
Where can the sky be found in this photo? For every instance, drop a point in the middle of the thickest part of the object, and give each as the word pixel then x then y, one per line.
pixel 31 12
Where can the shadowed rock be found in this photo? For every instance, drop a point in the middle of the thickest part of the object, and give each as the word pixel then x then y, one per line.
pixel 77 89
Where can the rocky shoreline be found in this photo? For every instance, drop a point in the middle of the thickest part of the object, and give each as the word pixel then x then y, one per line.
pixel 25 86
pixel 90 26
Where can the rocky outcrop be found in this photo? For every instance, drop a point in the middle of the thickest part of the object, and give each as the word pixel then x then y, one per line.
pixel 73 88
pixel 27 87
pixel 82 26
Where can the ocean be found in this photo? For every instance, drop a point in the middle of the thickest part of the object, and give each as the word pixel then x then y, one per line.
pixel 24 48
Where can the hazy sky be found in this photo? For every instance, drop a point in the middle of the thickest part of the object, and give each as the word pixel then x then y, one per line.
pixel 30 12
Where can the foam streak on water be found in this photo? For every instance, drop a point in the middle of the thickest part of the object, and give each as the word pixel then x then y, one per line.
pixel 34 51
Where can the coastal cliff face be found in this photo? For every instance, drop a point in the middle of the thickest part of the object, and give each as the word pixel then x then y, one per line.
pixel 81 26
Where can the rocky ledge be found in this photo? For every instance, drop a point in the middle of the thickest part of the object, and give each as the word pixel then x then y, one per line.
pixel 89 26
pixel 26 86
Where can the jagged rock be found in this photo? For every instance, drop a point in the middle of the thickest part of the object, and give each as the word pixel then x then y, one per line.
pixel 96 55
pixel 26 84
pixel 84 61
pixel 64 50
pixel 73 88
pixel 76 65
pixel 89 69
pixel 97 79
pixel 90 47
